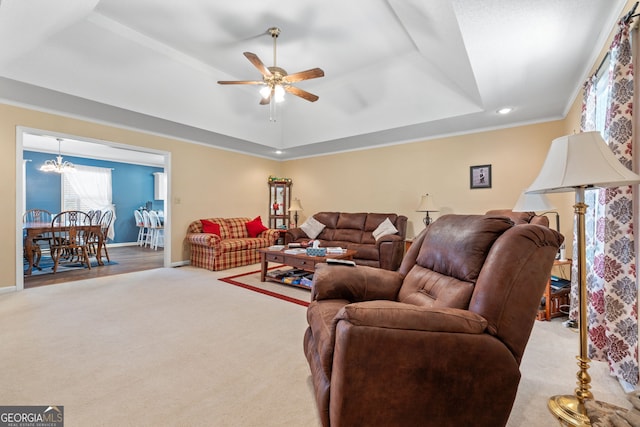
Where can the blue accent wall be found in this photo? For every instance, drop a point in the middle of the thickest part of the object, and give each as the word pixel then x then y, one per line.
pixel 132 187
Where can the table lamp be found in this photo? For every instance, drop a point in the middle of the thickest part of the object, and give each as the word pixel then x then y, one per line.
pixel 426 204
pixel 574 163
pixel 295 208
pixel 536 202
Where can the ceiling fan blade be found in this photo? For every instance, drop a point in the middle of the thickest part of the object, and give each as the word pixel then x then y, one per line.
pixel 240 82
pixel 313 73
pixel 253 58
pixel 301 93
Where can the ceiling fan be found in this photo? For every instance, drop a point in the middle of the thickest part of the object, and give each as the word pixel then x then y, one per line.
pixel 276 81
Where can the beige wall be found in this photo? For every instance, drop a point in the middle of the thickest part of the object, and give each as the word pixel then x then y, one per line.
pixel 207 181
pixel 392 179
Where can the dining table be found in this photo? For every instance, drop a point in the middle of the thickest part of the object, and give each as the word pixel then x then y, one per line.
pixel 34 229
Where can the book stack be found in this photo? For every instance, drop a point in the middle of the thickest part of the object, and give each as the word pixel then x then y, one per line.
pixel 292 276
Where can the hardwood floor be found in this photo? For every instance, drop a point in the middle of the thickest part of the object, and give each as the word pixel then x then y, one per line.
pixel 128 259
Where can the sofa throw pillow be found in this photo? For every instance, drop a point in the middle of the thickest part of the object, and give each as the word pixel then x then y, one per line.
pixel 210 227
pixel 312 227
pixel 385 228
pixel 255 227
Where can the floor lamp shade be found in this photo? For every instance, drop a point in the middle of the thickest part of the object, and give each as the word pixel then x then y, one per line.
pixel 574 163
pixel 580 160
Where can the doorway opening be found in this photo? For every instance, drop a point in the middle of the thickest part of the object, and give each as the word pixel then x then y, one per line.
pixel 40 141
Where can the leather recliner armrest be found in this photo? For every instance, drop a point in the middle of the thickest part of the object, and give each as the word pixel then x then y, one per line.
pixel 397 315
pixel 355 284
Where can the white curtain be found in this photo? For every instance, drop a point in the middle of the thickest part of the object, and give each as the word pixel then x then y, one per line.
pixel 93 185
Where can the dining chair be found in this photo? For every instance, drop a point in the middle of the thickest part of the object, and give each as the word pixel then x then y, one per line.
pixel 105 224
pixel 36 254
pixel 70 237
pixel 37 216
pixel 97 215
pixel 94 216
pixel 142 231
pixel 157 230
pixel 148 237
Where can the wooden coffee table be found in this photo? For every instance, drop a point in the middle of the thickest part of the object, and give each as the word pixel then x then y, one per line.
pixel 301 261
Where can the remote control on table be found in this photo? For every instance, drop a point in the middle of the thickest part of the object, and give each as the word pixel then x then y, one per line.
pixel 335 261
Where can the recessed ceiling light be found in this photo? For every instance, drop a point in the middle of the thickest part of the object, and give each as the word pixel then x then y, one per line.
pixel 505 110
pixel 278 152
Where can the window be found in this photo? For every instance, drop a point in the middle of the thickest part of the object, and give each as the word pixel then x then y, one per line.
pixel 88 188
pixel 602 95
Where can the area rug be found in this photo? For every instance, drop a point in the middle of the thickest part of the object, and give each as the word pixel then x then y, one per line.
pixel 251 281
pixel 46 265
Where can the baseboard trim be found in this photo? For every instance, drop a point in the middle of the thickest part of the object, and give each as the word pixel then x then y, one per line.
pixel 180 263
pixel 121 244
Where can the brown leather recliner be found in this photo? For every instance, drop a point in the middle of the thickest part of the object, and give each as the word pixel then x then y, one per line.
pixel 438 342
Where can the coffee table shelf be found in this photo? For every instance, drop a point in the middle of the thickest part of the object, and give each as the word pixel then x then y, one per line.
pixel 281 276
pixel 300 261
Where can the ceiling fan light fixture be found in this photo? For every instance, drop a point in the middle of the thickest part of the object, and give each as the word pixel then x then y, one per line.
pixel 275 80
pixel 265 92
pixel 278 93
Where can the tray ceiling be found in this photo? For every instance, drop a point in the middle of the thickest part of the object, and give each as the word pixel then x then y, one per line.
pixel 395 70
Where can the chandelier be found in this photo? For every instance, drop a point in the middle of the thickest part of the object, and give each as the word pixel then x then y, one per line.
pixel 58 165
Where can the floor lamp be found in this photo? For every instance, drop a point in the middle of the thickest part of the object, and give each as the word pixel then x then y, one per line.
pixel 575 163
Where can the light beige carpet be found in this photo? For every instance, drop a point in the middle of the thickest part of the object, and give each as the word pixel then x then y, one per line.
pixel 176 347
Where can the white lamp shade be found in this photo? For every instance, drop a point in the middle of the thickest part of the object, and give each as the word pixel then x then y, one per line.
pixel 295 206
pixel 426 204
pixel 581 160
pixel 532 202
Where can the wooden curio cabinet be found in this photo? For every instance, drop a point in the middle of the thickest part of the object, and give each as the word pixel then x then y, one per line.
pixel 279 202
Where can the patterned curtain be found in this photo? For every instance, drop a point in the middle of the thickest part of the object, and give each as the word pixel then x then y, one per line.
pixel 611 266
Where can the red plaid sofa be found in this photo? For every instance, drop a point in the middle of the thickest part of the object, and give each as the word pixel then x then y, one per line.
pixel 233 248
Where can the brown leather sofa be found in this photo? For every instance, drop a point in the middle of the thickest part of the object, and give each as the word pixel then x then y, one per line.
pixel 438 342
pixel 355 231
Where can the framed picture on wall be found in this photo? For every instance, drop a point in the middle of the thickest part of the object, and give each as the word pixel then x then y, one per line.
pixel 480 176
